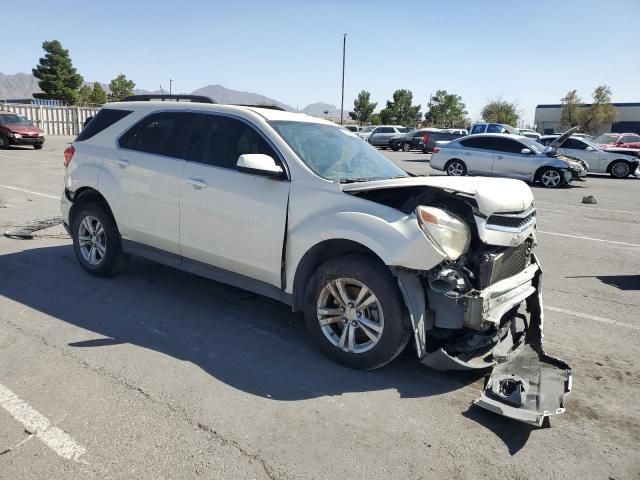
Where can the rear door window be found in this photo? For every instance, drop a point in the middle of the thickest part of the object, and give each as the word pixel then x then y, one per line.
pixel 507 145
pixel 102 120
pixel 478 129
pixel 162 133
pixel 484 143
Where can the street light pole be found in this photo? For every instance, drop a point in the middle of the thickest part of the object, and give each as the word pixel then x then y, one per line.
pixel 344 48
pixel 170 82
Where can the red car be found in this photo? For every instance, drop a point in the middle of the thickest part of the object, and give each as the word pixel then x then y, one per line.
pixel 19 130
pixel 621 140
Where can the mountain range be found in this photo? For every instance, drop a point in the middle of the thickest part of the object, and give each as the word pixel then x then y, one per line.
pixel 24 85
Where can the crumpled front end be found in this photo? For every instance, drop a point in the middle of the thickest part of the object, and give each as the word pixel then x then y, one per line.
pixel 499 326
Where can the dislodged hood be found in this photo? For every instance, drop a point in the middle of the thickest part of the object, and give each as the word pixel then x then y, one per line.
pixel 493 195
pixel 560 140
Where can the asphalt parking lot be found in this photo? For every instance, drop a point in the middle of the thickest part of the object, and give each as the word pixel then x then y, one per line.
pixel 160 374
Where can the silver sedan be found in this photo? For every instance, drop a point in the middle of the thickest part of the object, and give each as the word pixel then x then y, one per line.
pixel 505 155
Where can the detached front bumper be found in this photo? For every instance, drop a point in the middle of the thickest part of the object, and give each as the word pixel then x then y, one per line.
pixel 526 384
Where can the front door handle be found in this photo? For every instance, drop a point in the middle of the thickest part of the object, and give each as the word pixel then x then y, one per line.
pixel 499 157
pixel 122 162
pixel 197 183
pixel 468 154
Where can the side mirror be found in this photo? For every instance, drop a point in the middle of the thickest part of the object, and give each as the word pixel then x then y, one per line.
pixel 259 164
pixel 590 149
pixel 618 144
pixel 525 151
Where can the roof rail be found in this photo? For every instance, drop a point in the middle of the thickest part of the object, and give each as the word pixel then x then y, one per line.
pixel 270 107
pixel 177 98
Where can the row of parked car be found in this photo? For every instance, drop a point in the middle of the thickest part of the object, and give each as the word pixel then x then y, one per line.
pixel 501 150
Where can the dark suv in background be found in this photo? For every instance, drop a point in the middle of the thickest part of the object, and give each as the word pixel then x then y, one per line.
pixel 424 139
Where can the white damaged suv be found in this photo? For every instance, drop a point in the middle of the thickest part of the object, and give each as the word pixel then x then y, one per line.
pixel 300 210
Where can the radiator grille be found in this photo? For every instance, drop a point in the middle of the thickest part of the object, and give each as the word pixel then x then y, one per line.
pixel 498 266
pixel 510 221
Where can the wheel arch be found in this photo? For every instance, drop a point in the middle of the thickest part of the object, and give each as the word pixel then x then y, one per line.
pixel 612 162
pixel 87 195
pixel 321 253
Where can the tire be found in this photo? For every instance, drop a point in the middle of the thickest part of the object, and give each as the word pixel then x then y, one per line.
pixel 455 168
pixel 107 246
pixel 4 142
pixel 395 148
pixel 37 147
pixel 406 147
pixel 620 169
pixel 346 338
pixel 550 177
pixel 384 148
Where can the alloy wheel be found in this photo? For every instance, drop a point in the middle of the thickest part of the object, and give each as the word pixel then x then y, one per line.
pixel 551 178
pixel 455 169
pixel 406 147
pixel 620 169
pixel 92 240
pixel 350 315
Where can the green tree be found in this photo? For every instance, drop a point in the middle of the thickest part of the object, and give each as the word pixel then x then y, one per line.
pixel 446 110
pixel 386 116
pixel 58 79
pixel 84 95
pixel 120 88
pixel 375 119
pixel 98 95
pixel 592 119
pixel 571 106
pixel 363 107
pixel 401 110
pixel 500 111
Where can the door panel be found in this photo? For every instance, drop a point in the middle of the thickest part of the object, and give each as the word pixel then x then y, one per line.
pixel 478 154
pixel 229 219
pixel 143 180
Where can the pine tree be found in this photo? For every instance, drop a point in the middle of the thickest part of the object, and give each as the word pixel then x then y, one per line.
pixel 363 107
pixel 98 95
pixel 58 79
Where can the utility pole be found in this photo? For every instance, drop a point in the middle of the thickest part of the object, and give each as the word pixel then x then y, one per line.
pixel 344 48
pixel 170 82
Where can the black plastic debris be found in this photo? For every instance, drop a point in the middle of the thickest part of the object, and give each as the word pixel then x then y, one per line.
pixel 25 232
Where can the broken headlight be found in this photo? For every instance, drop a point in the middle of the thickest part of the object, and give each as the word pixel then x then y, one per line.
pixel 447 232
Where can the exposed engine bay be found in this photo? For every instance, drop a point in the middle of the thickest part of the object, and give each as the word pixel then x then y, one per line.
pixel 484 309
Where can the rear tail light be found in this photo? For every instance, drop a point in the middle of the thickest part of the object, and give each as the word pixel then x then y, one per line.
pixel 425 138
pixel 436 150
pixel 68 155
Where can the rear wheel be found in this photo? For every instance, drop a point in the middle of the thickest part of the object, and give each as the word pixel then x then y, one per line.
pixel 620 169
pixel 37 147
pixel 406 147
pixel 395 148
pixel 355 314
pixel 456 168
pixel 4 142
pixel 550 177
pixel 96 241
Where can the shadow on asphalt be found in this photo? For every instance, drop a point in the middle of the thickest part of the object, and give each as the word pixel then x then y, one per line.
pixel 622 282
pixel 250 342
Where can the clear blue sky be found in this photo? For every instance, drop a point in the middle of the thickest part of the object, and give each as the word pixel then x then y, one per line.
pixel 530 52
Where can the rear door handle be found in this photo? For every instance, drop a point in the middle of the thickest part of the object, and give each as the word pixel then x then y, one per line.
pixel 197 183
pixel 122 162
pixel 468 154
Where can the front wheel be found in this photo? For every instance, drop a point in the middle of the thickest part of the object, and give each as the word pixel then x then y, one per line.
pixel 355 313
pixel 406 147
pixel 37 147
pixel 456 168
pixel 4 142
pixel 620 169
pixel 550 178
pixel 395 148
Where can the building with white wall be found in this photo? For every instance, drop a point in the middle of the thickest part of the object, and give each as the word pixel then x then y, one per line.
pixel 547 118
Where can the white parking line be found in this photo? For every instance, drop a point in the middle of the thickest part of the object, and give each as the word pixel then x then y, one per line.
pixel 36 423
pixel 590 238
pixel 30 191
pixel 585 207
pixel 594 318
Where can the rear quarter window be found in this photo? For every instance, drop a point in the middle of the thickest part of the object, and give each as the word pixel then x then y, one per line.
pixel 103 119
